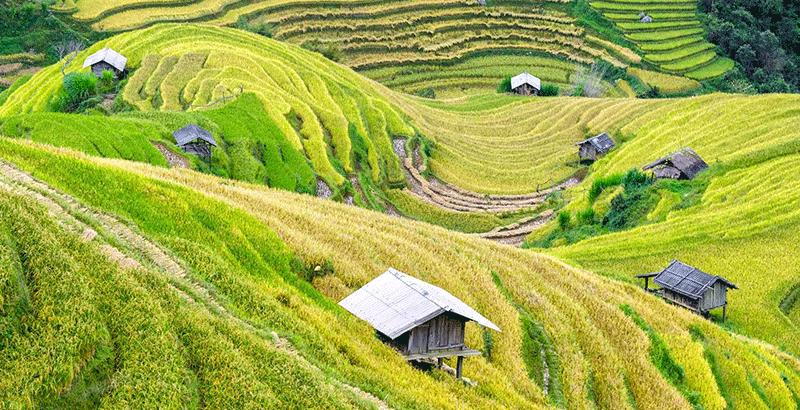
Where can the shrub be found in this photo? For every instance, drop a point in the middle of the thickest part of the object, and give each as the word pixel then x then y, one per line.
pixel 505 85
pixel 427 93
pixel 586 216
pixel 549 90
pixel 602 183
pixel 563 220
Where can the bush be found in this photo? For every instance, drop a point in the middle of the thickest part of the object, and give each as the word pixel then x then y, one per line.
pixel 549 90
pixel 586 217
pixel 505 85
pixel 602 183
pixel 79 86
pixel 330 51
pixel 563 220
pixel 427 93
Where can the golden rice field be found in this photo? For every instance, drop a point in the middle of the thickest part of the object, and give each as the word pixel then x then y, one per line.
pixel 743 228
pixel 490 144
pixel 376 34
pixel 186 65
pixel 597 355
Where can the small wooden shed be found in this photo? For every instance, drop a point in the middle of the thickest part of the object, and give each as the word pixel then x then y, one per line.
pixel 418 319
pixel 691 288
pixel 106 59
pixel 595 147
pixel 194 139
pixel 684 164
pixel 526 84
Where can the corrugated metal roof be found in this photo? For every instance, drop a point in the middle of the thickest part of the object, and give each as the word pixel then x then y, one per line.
pixel 394 303
pixel 523 78
pixel 685 160
pixel 108 55
pixel 601 143
pixel 193 132
pixel 687 280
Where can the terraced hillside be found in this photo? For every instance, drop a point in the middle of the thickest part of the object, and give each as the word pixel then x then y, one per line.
pixel 320 108
pixel 490 144
pixel 373 34
pixel 674 39
pixel 207 294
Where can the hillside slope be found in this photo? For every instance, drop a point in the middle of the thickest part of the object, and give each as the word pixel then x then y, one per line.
pixel 588 341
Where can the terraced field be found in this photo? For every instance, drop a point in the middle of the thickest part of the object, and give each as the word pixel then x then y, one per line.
pixel 370 34
pixel 589 340
pixel 313 102
pixel 673 41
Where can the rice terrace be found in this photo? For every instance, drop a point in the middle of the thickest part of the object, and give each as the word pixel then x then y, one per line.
pixel 360 204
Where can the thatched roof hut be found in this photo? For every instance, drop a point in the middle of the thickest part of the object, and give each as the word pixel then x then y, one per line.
pixel 691 288
pixel 193 139
pixel 420 320
pixel 595 147
pixel 106 59
pixel 684 164
pixel 526 84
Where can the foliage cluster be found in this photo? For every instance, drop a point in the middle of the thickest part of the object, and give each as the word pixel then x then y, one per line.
pixel 640 201
pixel 763 39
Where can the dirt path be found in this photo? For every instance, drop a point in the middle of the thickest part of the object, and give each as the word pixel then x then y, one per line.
pixel 174 160
pixel 138 252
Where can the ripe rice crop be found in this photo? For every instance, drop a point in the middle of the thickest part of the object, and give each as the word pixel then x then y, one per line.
pixel 598 346
pixel 691 62
pixel 664 82
pixel 719 67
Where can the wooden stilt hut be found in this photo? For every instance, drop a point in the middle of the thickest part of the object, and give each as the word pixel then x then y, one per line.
pixel 418 319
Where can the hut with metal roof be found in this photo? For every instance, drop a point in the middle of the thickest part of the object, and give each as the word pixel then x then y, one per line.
pixel 106 59
pixel 418 319
pixel 525 84
pixel 595 147
pixel 691 288
pixel 684 164
pixel 194 139
pixel 647 19
pixel 482 2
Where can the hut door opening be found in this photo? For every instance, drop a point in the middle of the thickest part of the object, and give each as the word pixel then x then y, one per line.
pixel 419 339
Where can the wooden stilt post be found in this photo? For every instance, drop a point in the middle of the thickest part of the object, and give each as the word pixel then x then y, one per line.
pixel 646 283
pixel 724 312
pixel 439 362
pixel 459 365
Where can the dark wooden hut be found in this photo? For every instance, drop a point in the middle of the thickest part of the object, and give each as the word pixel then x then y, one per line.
pixel 526 84
pixel 106 59
pixel 595 147
pixel 418 319
pixel 691 288
pixel 684 164
pixel 193 139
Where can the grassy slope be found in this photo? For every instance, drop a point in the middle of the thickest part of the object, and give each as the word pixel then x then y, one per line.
pixel 744 227
pixel 492 144
pixel 312 101
pixel 411 33
pixel 226 241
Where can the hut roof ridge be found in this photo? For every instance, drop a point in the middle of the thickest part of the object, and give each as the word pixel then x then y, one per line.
pixel 526 77
pixel 688 280
pixel 108 55
pixel 193 132
pixel 394 303
pixel 686 160
pixel 601 142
